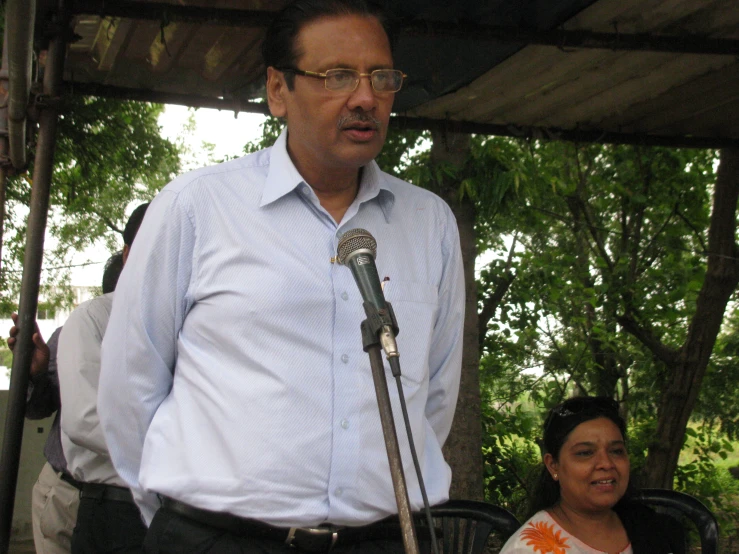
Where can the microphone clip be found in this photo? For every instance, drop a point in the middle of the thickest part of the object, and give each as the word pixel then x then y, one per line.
pixel 380 328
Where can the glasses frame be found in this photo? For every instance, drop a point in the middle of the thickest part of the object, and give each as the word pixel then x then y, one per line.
pixel 324 76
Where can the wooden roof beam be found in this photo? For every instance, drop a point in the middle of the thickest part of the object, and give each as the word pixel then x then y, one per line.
pixel 171 13
pixel 421 123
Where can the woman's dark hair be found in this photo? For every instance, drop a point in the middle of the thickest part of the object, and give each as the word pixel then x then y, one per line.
pixel 113 268
pixel 133 224
pixel 278 48
pixel 560 422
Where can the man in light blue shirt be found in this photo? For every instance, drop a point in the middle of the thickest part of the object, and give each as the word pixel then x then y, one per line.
pixel 234 385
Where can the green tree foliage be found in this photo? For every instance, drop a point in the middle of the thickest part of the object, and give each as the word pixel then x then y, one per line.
pixel 606 237
pixel 718 405
pixel 609 231
pixel 109 153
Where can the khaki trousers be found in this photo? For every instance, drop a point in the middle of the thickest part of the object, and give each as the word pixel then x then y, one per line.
pixel 54 512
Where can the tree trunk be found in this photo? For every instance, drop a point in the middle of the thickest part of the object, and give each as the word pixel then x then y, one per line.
pixel 463 448
pixel 687 371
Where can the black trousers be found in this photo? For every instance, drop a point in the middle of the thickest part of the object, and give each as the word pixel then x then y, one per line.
pixel 107 526
pixel 171 533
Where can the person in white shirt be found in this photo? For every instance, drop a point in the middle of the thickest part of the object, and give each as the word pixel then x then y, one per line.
pixel 56 494
pixel 234 386
pixel 108 520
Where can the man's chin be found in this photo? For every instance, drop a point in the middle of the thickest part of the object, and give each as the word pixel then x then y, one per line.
pixel 361 155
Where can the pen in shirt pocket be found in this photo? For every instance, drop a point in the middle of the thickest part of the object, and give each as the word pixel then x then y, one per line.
pixel 382 284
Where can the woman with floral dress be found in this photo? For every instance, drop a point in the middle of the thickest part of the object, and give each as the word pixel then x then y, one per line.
pixel 582 503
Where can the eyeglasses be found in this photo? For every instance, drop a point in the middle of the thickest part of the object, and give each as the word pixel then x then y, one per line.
pixel 347 80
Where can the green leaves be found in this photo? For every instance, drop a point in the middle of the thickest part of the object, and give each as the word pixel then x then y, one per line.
pixel 109 154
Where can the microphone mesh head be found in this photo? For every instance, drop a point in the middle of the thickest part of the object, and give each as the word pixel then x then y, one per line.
pixel 353 241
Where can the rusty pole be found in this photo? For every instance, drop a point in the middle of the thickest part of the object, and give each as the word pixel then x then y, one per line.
pixel 4 144
pixel 43 167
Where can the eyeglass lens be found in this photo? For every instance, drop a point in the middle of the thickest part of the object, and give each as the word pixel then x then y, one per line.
pixel 383 80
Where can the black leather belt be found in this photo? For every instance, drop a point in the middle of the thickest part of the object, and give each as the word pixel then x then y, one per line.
pixel 98 491
pixel 312 539
pixel 67 478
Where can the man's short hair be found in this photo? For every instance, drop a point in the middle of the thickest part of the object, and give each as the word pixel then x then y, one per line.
pixel 113 268
pixel 278 48
pixel 133 224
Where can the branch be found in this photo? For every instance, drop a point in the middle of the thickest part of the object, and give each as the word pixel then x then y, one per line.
pixel 592 228
pixel 578 205
pixel 492 302
pixel 634 227
pixel 109 222
pixel 692 228
pixel 651 261
pixel 644 335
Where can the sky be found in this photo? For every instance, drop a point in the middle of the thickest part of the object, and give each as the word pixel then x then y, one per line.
pixel 228 135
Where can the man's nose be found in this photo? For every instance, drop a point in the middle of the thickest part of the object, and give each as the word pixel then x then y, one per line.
pixel 364 96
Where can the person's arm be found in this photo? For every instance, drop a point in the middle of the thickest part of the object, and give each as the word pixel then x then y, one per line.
pixel 78 360
pixel 139 349
pixel 43 398
pixel 445 358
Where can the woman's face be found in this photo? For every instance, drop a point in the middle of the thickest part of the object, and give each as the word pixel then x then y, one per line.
pixel 593 466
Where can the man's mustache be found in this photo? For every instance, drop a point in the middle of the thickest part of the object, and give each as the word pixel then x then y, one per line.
pixel 358 117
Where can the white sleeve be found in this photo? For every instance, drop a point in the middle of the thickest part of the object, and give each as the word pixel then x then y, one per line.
pixel 140 346
pixel 78 366
pixel 445 357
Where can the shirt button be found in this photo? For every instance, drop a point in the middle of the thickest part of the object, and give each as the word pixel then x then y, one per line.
pixel 339 491
pixel 344 296
pixel 345 424
pixel 344 358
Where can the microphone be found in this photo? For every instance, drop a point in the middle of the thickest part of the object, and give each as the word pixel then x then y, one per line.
pixel 357 249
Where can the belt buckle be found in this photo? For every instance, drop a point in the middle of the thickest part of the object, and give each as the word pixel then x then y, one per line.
pixel 312 539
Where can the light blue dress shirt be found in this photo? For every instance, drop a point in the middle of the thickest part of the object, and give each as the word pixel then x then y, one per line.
pixel 233 373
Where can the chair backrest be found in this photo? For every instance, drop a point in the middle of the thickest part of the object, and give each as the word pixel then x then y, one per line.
pixel 463 526
pixel 679 504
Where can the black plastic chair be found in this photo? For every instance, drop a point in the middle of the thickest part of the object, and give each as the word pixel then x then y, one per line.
pixel 680 505
pixel 463 526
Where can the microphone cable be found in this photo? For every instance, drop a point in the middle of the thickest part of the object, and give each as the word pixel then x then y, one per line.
pixel 395 368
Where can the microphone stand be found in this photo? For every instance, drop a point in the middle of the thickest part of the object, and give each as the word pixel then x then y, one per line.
pixel 371 329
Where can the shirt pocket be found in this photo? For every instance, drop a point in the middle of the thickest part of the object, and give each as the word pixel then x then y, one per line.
pixel 415 305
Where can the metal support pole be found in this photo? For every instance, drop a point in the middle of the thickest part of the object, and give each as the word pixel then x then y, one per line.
pixel 4 144
pixel 407 528
pixel 3 183
pixel 20 16
pixel 30 283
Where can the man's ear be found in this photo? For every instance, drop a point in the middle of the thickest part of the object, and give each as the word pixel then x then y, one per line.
pixel 276 91
pixel 126 252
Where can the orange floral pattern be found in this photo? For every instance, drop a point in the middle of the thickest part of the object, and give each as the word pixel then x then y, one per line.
pixel 542 536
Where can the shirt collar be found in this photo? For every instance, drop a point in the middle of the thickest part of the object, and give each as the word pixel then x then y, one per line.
pixel 283 178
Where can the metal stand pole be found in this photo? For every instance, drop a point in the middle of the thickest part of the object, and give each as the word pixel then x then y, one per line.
pixel 371 328
pixel 4 144
pixel 30 283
